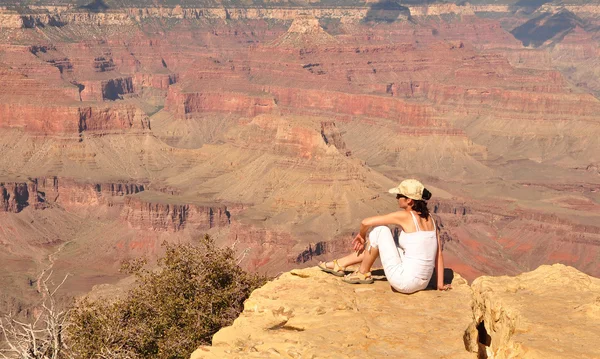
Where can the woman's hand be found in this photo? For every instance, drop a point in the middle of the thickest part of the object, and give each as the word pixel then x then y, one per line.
pixel 444 287
pixel 358 243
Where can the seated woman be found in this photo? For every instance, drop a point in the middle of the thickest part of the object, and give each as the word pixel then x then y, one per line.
pixel 408 268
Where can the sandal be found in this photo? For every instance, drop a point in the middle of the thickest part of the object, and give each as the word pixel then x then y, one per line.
pixel 337 270
pixel 359 278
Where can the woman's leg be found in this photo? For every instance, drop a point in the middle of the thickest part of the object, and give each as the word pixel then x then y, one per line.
pixel 369 258
pixel 382 242
pixel 348 260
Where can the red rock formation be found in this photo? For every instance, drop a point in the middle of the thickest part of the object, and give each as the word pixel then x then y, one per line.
pixel 164 216
pixel 408 114
pixel 48 119
pixel 158 81
pixel 15 196
pixel 117 117
pixel 112 89
pixel 183 104
pixel 69 192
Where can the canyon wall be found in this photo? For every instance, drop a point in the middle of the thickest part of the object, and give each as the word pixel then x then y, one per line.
pixel 17 195
pixel 160 216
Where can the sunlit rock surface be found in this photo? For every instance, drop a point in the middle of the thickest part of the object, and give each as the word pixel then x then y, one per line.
pixel 311 314
pixel 551 312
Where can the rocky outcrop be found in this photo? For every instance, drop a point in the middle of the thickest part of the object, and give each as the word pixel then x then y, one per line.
pixel 552 312
pixel 333 136
pixel 112 89
pixel 117 117
pixel 158 81
pixel 55 119
pixel 184 103
pixel 68 192
pixel 160 214
pixel 15 196
pixel 405 113
pixel 308 313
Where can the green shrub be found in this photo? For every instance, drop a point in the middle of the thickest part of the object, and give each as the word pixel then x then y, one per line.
pixel 195 291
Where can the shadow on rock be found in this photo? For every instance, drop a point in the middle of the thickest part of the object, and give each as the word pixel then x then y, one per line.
pixel 96 6
pixel 387 11
pixel 448 278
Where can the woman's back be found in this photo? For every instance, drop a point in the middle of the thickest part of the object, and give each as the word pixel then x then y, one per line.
pixel 424 224
pixel 419 249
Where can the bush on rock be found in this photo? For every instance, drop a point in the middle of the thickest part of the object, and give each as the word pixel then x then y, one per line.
pixel 195 291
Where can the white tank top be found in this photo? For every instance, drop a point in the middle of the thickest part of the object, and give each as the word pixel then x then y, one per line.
pixel 420 249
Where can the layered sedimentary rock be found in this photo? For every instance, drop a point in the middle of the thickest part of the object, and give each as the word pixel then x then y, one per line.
pixel 15 196
pixel 68 192
pixel 310 313
pixel 182 104
pixel 39 193
pixel 160 215
pixel 49 119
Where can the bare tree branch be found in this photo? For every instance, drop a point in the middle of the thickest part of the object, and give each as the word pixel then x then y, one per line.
pixel 42 338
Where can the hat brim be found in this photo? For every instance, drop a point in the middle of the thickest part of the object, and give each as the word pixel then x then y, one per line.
pixel 394 190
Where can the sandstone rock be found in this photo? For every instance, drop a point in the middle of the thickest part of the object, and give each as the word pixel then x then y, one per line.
pixel 551 312
pixel 310 314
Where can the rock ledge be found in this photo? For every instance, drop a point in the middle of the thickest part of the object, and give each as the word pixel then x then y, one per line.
pixel 551 312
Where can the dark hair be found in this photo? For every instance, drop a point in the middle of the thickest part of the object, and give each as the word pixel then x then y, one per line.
pixel 420 206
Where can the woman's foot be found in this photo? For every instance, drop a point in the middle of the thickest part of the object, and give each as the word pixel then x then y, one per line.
pixel 333 268
pixel 359 278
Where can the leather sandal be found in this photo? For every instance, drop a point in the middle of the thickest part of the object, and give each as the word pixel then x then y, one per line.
pixel 359 278
pixel 337 270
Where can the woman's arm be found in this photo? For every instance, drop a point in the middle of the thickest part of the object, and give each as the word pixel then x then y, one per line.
pixel 439 265
pixel 391 218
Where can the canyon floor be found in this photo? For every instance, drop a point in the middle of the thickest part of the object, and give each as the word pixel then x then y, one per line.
pixel 276 129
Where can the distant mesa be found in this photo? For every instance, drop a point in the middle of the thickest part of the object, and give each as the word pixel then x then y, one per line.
pixel 304 31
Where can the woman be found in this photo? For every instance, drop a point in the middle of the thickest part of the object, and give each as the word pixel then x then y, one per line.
pixel 408 268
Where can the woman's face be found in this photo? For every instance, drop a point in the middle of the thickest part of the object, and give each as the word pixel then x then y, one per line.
pixel 403 201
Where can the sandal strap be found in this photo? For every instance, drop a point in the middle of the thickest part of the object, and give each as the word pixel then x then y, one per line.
pixel 359 275
pixel 337 267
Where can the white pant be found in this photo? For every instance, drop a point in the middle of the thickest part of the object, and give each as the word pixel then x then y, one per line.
pixel 391 258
